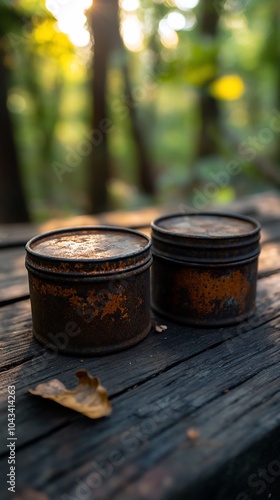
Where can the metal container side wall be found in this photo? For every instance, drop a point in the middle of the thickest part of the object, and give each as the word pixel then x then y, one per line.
pixel 87 317
pixel 207 296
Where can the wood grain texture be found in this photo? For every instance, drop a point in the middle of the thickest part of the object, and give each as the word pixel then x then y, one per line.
pixel 265 207
pixel 181 378
pixel 18 234
pixel 13 275
pixel 223 382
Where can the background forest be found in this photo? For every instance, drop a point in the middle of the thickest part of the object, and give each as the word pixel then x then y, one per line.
pixel 108 105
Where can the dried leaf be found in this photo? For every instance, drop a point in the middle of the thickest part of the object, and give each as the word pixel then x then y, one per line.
pixel 193 434
pixel 88 397
pixel 160 328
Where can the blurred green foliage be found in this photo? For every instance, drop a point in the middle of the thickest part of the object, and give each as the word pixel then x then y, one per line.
pixel 49 97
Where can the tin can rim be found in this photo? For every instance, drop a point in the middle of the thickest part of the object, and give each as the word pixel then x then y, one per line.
pixel 54 232
pixel 232 215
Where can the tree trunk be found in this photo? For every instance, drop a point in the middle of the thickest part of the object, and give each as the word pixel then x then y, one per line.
pixel 104 23
pixel 209 111
pixel 209 115
pixel 145 169
pixel 12 202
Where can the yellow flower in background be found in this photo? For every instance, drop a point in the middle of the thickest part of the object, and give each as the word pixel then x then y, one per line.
pixel 52 43
pixel 228 87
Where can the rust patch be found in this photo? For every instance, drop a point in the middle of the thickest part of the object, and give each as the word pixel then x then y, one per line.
pixel 207 291
pixel 75 301
pixel 64 267
pixel 107 303
pixel 115 302
pixel 102 303
pixel 57 291
pixel 48 288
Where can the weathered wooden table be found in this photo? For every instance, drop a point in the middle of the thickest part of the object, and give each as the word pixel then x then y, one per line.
pixel 196 412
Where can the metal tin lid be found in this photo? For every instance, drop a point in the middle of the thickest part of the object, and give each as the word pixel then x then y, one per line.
pixel 206 225
pixel 88 250
pixel 206 237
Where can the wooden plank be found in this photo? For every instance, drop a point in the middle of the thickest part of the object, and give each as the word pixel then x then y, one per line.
pixel 167 383
pixel 13 275
pixel 228 390
pixel 18 234
pixel 265 207
pixel 16 337
pixel 269 260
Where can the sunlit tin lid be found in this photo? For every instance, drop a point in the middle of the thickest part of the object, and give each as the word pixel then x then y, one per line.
pixel 206 225
pixel 88 248
pixel 206 237
pixel 90 244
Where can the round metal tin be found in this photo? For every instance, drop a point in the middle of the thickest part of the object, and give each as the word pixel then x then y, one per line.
pixel 205 267
pixel 89 288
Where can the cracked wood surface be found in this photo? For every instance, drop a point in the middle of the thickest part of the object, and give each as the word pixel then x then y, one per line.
pixel 223 382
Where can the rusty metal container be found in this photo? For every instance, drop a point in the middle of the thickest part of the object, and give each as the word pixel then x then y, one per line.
pixel 205 267
pixel 90 288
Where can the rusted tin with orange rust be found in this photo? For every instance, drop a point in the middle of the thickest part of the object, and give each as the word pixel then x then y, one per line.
pixel 90 288
pixel 205 267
